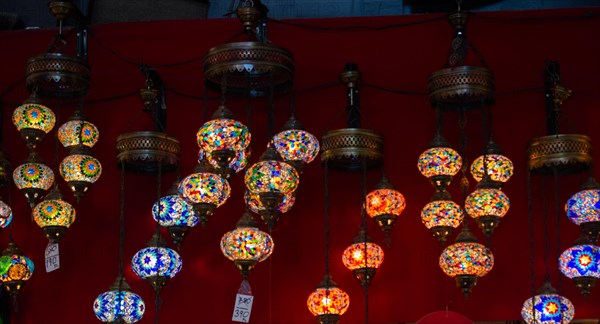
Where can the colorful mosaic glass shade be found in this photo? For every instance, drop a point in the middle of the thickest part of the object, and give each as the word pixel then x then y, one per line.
pixel 354 256
pixel 549 309
pixel 76 132
pixel 328 301
pixel 115 305
pixel 6 215
pixel 33 175
pixel 439 161
pixel 253 202
pixel 172 210
pixel 34 116
pixel 80 167
pixel 442 213
pixel 466 258
pixel 487 202
pixel 205 187
pixel 584 207
pixel 237 164
pixel 272 176
pixel 223 134
pixel 247 244
pixel 296 145
pixel 385 201
pixel 54 212
pixel 156 261
pixel 20 269
pixel 499 167
pixel 580 261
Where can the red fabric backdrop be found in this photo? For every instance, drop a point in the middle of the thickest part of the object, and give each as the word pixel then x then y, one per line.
pixel 410 283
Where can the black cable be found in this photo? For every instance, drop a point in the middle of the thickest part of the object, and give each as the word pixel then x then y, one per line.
pixel 157 301
pixel 356 27
pixel 531 240
pixel 545 225
pixel 400 91
pixel 12 86
pixel 363 187
pixel 557 227
pixel 121 228
pixel 326 186
pixel 590 15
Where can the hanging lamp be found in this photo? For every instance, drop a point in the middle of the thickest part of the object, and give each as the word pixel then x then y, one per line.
pixel 256 206
pixel 54 215
pixel 385 204
pixel 174 213
pixel 583 209
pixel 78 131
pixel 19 270
pixel 442 216
pixel 6 215
pixel 499 168
pixel 439 163
pixel 295 145
pixel 33 178
pixel 487 205
pixel 581 263
pixel 156 263
pixel 119 304
pixel 33 120
pixel 80 170
pixel 363 257
pixel 547 307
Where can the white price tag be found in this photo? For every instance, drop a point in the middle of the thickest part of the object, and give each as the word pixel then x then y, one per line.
pixel 242 309
pixel 52 257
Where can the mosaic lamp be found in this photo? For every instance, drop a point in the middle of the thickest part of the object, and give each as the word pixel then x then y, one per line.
pixel 271 179
pixel 6 215
pixel 33 120
pixel 499 167
pixel 237 164
pixel 156 263
pixel 174 213
pixel 583 209
pixel 20 269
pixel 80 170
pixel 442 216
pixel 54 215
pixel 487 206
pixel 33 178
pixel 246 245
pixel 119 304
pixel 204 190
pixel 328 302
pixel 466 261
pixel 581 263
pixel 547 307
pixel 363 258
pixel 295 145
pixel 222 137
pixel 385 204
pixel 78 131
pixel 439 163
pixel 256 206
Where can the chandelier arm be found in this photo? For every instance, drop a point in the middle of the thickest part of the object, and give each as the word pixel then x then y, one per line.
pixel 464 181
pixel 557 225
pixel 248 103
pixel 121 226
pixel 271 110
pixel 531 239
pixel 363 183
pixel 478 54
pixel 157 300
pixel 326 187
pixel 545 225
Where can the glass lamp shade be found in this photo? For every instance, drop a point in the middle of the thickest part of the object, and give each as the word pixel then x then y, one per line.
pixel 114 306
pixel 205 191
pixel 385 205
pixel 156 264
pixel 33 121
pixel 33 179
pixel 20 269
pixel 583 208
pixel 246 244
pixel 582 264
pixel 78 132
pixel 223 134
pixel 328 302
pixel 487 206
pixel 550 308
pixel 442 217
pixel 272 176
pixel 172 210
pixel 363 259
pixel 439 164
pixel 499 167
pixel 253 202
pixel 237 164
pixel 80 171
pixel 6 215
pixel 296 146
pixel 54 216
pixel 466 261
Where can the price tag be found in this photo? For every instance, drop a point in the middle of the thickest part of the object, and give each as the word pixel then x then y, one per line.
pixel 52 257
pixel 243 303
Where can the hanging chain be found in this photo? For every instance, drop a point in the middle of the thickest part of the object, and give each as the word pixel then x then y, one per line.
pixel 326 186
pixel 545 225
pixel 464 181
pixel 363 185
pixel 531 240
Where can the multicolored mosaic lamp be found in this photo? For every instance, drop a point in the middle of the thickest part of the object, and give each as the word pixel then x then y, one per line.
pixel 441 216
pixel 78 131
pixel 54 215
pixel 295 145
pixel 499 167
pixel 581 263
pixel 174 213
pixel 33 178
pixel 547 307
pixel 20 269
pixel 237 164
pixel 247 245
pixel 466 261
pixel 363 258
pixel 33 120
pixel 256 206
pixel 222 137
pixel 385 204
pixel 119 304
pixel 204 190
pixel 271 179
pixel 6 215
pixel 80 171
pixel 156 263
pixel 439 163
pixel 487 206
pixel 328 302
pixel 583 209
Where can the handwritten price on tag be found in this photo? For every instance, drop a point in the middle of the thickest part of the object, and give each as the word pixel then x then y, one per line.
pixel 242 308
pixel 52 257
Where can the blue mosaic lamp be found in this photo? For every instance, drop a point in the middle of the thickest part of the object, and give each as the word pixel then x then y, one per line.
pixel 581 263
pixel 156 263
pixel 583 209
pixel 547 307
pixel 174 213
pixel 119 304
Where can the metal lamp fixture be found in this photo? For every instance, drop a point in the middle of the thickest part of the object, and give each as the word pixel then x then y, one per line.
pixel 174 213
pixel 19 270
pixel 33 178
pixel 547 307
pixel 54 215
pixel 363 257
pixel 246 245
pixel 581 263
pixel 156 263
pixel 583 209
